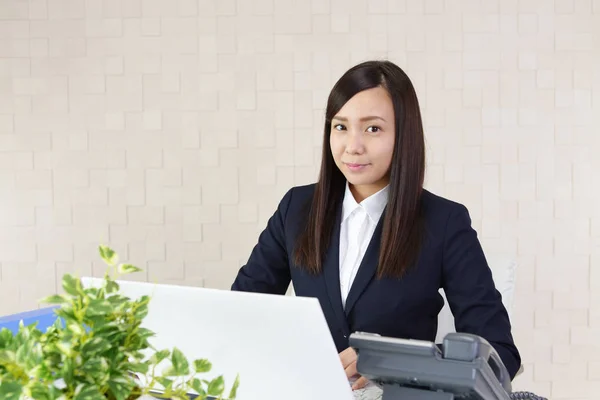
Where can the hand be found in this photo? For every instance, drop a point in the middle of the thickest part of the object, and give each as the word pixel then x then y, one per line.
pixel 348 358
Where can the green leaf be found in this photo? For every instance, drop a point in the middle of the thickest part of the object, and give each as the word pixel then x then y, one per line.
pixel 145 333
pixel 54 299
pixel 36 390
pixel 6 337
pixel 75 328
pixel 180 363
pixel 111 286
pixel 216 386
pixel 157 357
pixel 165 382
pixel 23 353
pixel 7 356
pixel 35 357
pixel 88 392
pixel 95 346
pixel 120 390
pixel 67 313
pixel 108 255
pixel 57 325
pixel 68 370
pixel 65 347
pixel 202 365
pixel 196 384
pixel 109 330
pixel 10 390
pixel 96 368
pixel 234 389
pixel 98 307
pixel 141 367
pixel 91 293
pixel 136 356
pixel 45 370
pixel 141 311
pixel 71 285
pixel 128 269
pixel 140 340
pixel 118 301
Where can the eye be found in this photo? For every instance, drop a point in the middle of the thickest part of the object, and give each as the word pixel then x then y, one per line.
pixel 339 127
pixel 373 129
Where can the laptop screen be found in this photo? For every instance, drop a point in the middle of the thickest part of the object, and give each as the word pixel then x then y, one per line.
pixel 280 346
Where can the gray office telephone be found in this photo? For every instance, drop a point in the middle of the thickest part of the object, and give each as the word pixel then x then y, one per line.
pixel 467 367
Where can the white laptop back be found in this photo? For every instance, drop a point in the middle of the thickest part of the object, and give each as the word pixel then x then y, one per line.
pixel 280 345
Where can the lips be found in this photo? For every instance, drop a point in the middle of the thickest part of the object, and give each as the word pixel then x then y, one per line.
pixel 355 167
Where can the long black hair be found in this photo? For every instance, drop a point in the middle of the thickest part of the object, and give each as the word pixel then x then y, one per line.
pixel 402 227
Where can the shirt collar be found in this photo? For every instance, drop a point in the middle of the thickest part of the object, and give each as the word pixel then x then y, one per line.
pixel 373 205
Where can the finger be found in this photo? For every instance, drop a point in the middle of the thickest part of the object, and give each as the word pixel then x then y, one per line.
pixel 351 370
pixel 347 356
pixel 360 383
pixel 346 361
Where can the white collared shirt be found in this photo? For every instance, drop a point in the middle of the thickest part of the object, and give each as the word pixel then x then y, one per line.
pixel 357 227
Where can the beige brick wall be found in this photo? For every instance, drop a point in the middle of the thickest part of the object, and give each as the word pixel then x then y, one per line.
pixel 171 128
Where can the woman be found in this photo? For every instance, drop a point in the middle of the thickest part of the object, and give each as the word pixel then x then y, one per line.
pixel 367 240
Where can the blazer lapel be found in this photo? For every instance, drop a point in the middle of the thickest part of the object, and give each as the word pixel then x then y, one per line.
pixel 367 268
pixel 331 274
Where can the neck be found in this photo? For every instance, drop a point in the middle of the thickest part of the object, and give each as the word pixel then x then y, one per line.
pixel 361 192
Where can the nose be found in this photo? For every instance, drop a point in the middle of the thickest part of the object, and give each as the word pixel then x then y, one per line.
pixel 355 144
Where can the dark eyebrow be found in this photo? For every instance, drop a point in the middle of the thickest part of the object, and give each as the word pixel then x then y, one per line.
pixel 363 119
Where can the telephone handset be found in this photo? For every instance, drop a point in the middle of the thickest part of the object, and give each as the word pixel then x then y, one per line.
pixel 467 367
pixel 469 347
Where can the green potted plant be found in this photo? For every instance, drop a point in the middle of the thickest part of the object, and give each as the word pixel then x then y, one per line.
pixel 95 349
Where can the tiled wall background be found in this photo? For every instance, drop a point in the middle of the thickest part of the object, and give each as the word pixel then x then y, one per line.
pixel 170 129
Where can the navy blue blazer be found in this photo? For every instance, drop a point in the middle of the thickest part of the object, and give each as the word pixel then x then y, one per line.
pixel 451 258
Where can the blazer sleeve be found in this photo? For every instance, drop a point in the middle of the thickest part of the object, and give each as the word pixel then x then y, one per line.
pixel 472 296
pixel 267 269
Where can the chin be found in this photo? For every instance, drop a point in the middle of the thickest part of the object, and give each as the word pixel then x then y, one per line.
pixel 360 182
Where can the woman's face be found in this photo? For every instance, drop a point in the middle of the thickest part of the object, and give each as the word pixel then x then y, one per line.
pixel 362 141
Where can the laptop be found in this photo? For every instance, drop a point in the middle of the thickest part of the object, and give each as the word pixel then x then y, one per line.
pixel 280 346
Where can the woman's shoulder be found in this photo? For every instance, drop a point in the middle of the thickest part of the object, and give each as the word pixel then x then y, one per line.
pixel 437 206
pixel 296 198
pixel 302 192
pixel 441 214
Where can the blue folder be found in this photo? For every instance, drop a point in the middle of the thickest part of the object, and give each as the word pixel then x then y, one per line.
pixel 45 317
